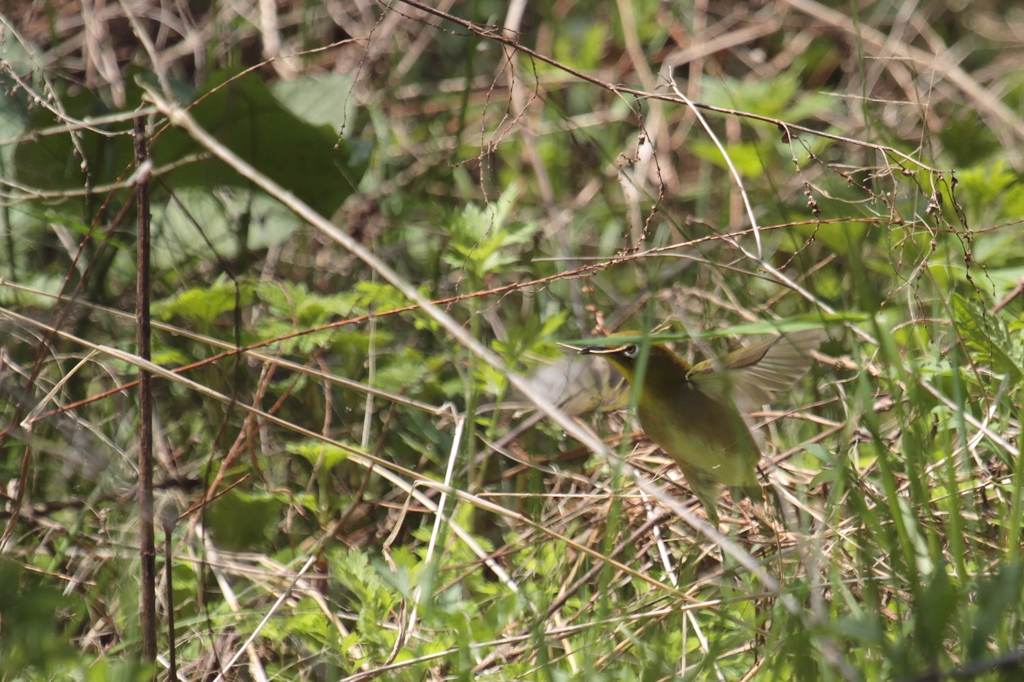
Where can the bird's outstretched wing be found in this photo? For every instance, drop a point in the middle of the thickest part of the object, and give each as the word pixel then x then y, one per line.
pixel 751 376
pixel 581 384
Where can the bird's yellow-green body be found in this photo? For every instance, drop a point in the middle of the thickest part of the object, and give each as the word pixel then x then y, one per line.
pixel 701 433
pixel 692 413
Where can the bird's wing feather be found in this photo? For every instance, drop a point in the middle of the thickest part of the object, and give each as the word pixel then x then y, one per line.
pixel 581 384
pixel 752 376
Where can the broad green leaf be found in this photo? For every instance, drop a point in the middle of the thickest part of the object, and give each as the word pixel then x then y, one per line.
pixel 240 521
pixel 170 357
pixel 245 116
pixel 967 138
pixel 319 100
pixel 50 162
pixel 316 452
pixel 1013 203
pixel 745 156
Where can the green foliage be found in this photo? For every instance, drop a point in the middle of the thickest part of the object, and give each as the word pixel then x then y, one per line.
pixel 371 599
pixel 242 521
pixel 31 639
pixel 989 192
pixel 240 112
pixel 768 97
pixel 203 306
pixel 997 593
pixel 481 240
pixel 582 45
pixel 745 157
pixel 989 338
pixel 306 626
pixel 243 114
pixel 534 206
pixel 966 139
pixel 327 456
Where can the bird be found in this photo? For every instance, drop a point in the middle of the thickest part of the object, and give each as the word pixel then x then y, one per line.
pixel 695 413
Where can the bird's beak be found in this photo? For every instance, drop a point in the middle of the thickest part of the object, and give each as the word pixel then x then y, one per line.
pixel 593 350
pixel 597 350
pixel 589 350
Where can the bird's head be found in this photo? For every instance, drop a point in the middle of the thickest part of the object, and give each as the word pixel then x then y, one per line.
pixel 624 356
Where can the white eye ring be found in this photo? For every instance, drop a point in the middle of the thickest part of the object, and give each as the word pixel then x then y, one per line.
pixel 630 351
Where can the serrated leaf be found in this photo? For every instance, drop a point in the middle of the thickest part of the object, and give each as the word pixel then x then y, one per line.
pixel 202 305
pixel 764 96
pixel 381 296
pixel 988 338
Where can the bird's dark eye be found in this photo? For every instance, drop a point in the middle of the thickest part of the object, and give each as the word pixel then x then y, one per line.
pixel 630 351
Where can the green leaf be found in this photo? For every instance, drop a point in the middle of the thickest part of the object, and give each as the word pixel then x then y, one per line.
pixel 808 105
pixel 202 306
pixel 480 240
pixel 170 357
pixel 239 520
pixel 1013 202
pixel 965 136
pixel 983 185
pixel 934 612
pixel 244 115
pixel 381 296
pixel 319 100
pixel 177 241
pixel 295 302
pixel 840 237
pixel 400 370
pixel 830 475
pixel 490 380
pixel 865 630
pixel 988 338
pixel 763 96
pixel 580 45
pixel 745 156
pixel 315 451
pixel 996 594
pixel 51 162
pixel 307 623
pixel 30 605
